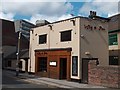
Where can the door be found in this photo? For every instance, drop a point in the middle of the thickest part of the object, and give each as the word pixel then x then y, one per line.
pixel 63 68
pixel 85 62
pixel 85 71
pixel 26 65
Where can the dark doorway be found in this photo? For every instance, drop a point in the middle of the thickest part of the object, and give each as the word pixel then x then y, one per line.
pixel 85 62
pixel 85 71
pixel 26 65
pixel 63 68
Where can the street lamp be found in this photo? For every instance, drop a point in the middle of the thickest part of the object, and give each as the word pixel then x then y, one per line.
pixel 18 54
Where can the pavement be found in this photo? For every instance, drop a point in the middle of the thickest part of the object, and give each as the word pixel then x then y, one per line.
pixel 54 82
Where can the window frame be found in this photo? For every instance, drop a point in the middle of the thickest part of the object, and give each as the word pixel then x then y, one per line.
pixel 9 64
pixel 113 39
pixel 62 36
pixel 42 64
pixel 74 65
pixel 113 60
pixel 45 39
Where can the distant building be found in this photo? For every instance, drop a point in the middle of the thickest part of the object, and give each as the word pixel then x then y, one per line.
pixel 24 27
pixel 9 39
pixel 114 40
pixel 62 49
pixel 9 46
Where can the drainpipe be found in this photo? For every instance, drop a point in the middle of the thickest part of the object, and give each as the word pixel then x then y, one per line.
pixel 49 48
pixel 18 55
pixel 80 61
pixel 50 28
pixel 30 51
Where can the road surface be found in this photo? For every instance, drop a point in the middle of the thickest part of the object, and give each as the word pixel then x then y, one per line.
pixel 9 80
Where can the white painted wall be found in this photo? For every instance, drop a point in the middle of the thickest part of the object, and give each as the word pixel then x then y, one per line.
pixel 97 46
pixel 23 64
pixel 53 39
pixel 13 65
pixel 95 41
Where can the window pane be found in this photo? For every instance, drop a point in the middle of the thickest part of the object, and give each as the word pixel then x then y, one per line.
pixel 74 65
pixel 43 64
pixel 9 63
pixel 66 36
pixel 42 39
pixel 113 39
pixel 113 60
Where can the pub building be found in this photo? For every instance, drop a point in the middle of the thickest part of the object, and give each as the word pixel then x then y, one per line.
pixel 62 49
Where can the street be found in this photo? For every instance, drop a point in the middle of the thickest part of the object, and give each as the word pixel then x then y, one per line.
pixel 9 80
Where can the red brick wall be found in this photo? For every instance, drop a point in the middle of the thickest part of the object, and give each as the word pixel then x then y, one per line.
pixel 103 75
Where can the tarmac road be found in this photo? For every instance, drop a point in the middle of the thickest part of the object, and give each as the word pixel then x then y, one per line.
pixel 9 80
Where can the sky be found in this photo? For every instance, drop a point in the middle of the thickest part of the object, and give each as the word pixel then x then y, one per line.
pixel 54 10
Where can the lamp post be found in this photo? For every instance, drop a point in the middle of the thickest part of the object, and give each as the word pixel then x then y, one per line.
pixel 18 53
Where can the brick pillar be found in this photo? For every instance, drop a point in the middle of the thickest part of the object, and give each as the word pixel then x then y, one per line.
pixel 92 64
pixel 91 71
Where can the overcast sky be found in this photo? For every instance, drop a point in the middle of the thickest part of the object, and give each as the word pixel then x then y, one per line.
pixel 54 10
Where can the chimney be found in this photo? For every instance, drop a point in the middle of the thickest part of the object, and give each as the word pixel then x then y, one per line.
pixel 92 14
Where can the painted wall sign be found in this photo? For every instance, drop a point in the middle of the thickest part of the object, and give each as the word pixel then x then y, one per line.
pixel 42 53
pixel 89 27
pixel 74 65
pixel 53 63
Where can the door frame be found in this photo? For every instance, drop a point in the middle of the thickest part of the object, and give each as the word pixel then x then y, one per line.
pixel 62 68
pixel 85 73
pixel 68 62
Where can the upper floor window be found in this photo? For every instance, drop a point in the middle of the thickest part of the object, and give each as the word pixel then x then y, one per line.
pixel 65 36
pixel 42 39
pixel 113 39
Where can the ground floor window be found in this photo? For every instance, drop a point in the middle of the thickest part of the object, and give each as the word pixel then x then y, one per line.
pixel 9 63
pixel 113 60
pixel 42 62
pixel 74 65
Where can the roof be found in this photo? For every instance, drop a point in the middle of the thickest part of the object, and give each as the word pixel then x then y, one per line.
pixel 23 55
pixel 26 22
pixel 114 15
pixel 97 17
pixel 113 31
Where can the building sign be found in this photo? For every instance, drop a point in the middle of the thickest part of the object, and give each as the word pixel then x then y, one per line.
pixel 53 63
pixel 89 27
pixel 42 53
pixel 74 65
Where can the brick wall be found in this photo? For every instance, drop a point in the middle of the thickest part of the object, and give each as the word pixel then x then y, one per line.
pixel 103 75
